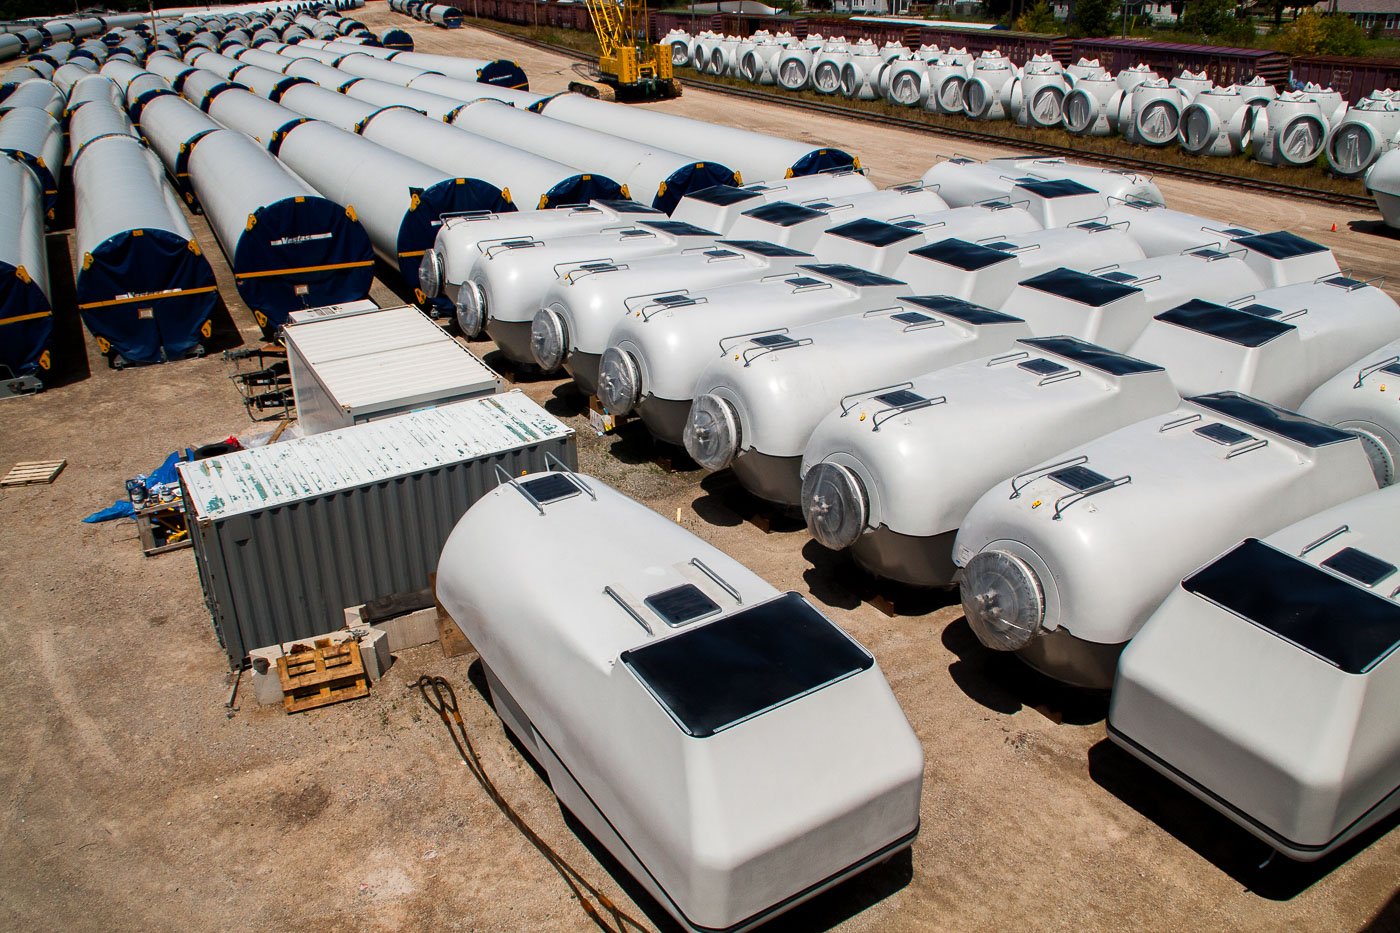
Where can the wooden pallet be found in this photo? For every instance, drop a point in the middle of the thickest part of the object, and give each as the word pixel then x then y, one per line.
pixel 325 674
pixel 34 473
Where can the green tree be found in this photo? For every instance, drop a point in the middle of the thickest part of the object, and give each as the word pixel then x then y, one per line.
pixel 1038 18
pixel 1312 33
pixel 1089 19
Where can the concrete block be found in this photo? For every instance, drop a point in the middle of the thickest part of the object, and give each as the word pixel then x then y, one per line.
pixel 374 652
pixel 406 631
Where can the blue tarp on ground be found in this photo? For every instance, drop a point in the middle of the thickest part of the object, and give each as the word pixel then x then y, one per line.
pixel 122 508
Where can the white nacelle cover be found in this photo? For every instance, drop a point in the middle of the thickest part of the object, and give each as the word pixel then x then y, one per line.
pixel 1365 398
pixel 1058 202
pixel 1113 307
pixel 780 390
pixel 513 281
pixel 1266 684
pixel 724 790
pixel 1161 231
pixel 672 341
pixel 592 301
pixel 1111 182
pixel 718 207
pixel 1283 258
pixel 881 246
pixel 987 273
pixel 464 239
pixel 1278 345
pixel 1005 413
pixel 1171 491
pixel 801 225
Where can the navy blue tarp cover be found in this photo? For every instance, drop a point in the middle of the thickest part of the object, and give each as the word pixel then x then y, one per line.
pixel 147 296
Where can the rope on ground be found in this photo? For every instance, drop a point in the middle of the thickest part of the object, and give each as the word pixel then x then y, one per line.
pixel 442 698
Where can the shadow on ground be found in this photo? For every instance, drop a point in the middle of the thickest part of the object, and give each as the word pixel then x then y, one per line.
pixel 835 579
pixel 1213 837
pixel 1000 682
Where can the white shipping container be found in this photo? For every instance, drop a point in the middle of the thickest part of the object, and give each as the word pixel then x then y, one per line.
pixel 329 311
pixel 354 368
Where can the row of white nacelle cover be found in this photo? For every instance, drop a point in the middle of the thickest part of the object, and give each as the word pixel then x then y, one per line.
pixel 656 355
pixel 508 285
pixel 867 484
pixel 771 426
pixel 581 308
pixel 465 246
pixel 507 288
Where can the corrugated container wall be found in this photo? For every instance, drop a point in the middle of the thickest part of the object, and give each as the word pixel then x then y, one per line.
pixel 287 536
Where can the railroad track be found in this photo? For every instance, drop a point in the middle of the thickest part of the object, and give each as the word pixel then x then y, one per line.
pixel 1128 163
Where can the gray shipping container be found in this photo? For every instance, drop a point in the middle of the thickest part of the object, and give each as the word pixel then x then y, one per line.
pixel 287 536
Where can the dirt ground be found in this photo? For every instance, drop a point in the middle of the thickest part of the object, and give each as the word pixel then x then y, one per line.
pixel 135 800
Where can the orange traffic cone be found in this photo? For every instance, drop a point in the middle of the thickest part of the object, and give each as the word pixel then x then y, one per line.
pixel 1334 228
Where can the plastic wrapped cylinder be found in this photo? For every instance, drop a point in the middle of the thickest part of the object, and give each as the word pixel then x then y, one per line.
pixel 859 73
pixel 66 75
pixel 826 67
pixel 397 39
pixel 343 47
pixel 265 59
pixel 448 17
pixel 137 85
pixel 95 119
pixel 987 93
pixel 93 50
pixel 94 87
pixel 319 103
pixel 36 92
pixel 1091 106
pixel 367 66
pixel 171 69
pixel 26 316
pixel 468 91
pixel 384 94
pixel 531 181
pixel 755 156
pixel 144 290
pixel 264 81
pixel 759 64
pixel 11 46
pixel 656 177
pixel 1085 68
pixel 1333 104
pixel 946 79
pixel 399 200
pixel 678 41
pixel 32 38
pixel 909 83
pixel 1129 78
pixel 1370 129
pixel 1213 123
pixel 1191 84
pixel 1290 131
pixel 500 72
pixel 794 68
pixel 289 248
pixel 200 87
pixel 171 126
pixel 1155 114
pixel 320 73
pixel 235 39
pixel 1039 97
pixel 33 137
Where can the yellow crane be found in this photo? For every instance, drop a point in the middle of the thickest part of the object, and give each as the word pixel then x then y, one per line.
pixel 630 67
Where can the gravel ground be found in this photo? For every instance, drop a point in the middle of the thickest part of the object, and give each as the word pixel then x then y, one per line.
pixel 136 800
